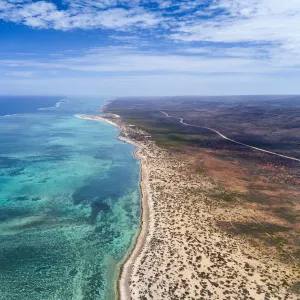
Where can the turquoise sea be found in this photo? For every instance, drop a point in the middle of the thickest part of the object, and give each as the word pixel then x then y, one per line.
pixel 69 200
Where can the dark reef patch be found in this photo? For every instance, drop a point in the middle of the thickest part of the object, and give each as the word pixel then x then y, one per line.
pixel 98 190
pixel 98 207
pixel 8 213
pixel 22 198
pixel 7 162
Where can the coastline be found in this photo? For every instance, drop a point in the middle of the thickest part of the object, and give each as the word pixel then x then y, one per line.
pixel 180 251
pixel 122 285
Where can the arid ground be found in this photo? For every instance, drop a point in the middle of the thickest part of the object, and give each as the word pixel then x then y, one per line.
pixel 248 180
pixel 222 218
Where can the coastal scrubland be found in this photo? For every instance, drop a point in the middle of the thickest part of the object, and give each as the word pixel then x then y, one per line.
pixel 220 220
pixel 247 179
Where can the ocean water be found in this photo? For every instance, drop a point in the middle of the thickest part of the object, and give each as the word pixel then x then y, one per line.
pixel 69 201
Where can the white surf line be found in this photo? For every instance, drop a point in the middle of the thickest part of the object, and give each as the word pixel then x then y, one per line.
pixel 231 140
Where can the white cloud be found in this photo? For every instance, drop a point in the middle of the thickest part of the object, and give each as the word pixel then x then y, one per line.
pixel 130 59
pixel 80 14
pixel 272 23
pixel 155 85
pixel 240 37
pixel 254 53
pixel 20 73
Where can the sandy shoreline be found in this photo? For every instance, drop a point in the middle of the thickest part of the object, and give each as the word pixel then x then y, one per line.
pixel 125 269
pixel 180 252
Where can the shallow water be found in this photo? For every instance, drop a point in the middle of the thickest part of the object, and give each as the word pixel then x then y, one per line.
pixel 69 204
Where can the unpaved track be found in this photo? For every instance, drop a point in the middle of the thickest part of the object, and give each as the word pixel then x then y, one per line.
pixel 231 140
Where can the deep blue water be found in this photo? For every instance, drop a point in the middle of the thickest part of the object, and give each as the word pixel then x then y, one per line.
pixel 26 104
pixel 69 200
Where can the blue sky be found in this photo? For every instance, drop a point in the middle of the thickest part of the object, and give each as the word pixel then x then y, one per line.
pixel 160 47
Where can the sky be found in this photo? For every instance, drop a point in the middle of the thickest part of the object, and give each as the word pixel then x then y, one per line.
pixel 159 47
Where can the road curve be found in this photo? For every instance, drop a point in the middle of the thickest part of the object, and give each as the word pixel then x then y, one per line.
pixel 231 140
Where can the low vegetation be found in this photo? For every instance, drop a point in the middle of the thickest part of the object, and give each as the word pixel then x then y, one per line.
pixel 256 187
